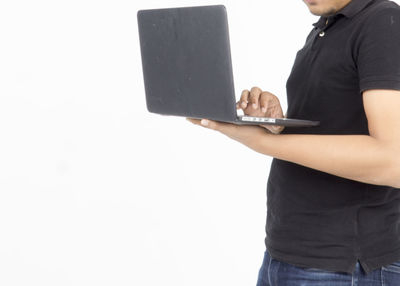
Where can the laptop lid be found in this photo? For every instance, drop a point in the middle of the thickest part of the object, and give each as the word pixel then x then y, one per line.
pixel 186 62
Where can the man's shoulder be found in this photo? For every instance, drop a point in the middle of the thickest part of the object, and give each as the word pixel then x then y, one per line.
pixel 379 16
pixel 382 8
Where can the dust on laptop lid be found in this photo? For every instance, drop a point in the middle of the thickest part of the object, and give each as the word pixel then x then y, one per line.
pixel 187 62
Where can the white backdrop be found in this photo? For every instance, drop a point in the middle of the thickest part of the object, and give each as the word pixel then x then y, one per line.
pixel 94 190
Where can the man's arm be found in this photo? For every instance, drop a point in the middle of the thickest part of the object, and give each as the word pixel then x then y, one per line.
pixel 373 159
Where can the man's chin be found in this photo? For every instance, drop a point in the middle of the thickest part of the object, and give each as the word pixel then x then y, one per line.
pixel 316 12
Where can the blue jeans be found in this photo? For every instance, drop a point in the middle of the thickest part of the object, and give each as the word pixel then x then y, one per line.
pixel 276 273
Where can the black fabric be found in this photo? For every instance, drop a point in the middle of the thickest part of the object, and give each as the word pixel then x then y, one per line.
pixel 314 219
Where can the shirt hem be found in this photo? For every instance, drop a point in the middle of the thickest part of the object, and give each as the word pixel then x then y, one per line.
pixel 331 265
pixel 379 84
pixel 371 264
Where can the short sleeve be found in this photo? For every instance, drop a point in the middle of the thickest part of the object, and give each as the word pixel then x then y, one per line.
pixel 378 59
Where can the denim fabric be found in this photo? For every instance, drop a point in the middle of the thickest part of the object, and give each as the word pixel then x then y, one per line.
pixel 276 273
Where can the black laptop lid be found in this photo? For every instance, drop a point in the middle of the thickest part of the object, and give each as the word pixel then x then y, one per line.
pixel 187 62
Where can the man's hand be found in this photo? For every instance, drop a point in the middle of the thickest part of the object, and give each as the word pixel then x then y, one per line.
pixel 261 104
pixel 249 135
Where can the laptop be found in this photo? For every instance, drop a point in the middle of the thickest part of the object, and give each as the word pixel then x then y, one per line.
pixel 187 66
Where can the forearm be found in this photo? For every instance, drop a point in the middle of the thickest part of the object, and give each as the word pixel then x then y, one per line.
pixel 357 157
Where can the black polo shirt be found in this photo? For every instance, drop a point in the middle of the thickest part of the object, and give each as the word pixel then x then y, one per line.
pixel 314 219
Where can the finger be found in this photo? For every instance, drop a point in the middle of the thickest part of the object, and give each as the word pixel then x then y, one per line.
pixel 194 121
pixel 225 128
pixel 277 129
pixel 264 99
pixel 209 124
pixel 205 123
pixel 254 97
pixel 244 98
pixel 215 125
pixel 274 129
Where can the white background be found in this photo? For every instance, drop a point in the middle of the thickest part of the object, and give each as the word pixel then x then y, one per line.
pixel 94 190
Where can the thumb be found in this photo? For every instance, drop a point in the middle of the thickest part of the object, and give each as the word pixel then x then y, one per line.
pixel 275 129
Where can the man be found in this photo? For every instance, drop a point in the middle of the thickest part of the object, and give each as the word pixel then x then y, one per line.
pixel 334 191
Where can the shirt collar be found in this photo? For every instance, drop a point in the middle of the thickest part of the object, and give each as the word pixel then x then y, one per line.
pixel 349 11
pixel 354 7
